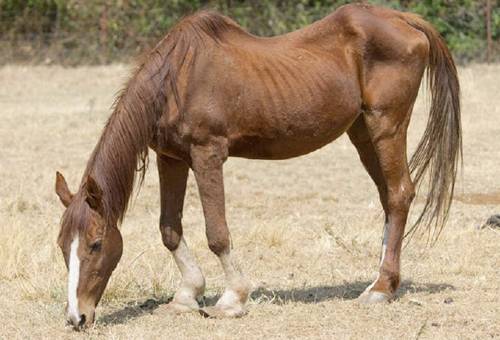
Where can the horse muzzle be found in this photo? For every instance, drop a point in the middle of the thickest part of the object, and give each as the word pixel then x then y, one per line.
pixel 84 320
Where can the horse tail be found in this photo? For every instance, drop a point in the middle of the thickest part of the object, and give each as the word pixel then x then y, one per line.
pixel 440 150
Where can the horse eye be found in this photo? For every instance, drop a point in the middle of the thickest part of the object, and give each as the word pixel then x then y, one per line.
pixel 96 246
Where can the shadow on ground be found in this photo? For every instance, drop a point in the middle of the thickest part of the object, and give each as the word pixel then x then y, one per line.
pixel 346 291
pixel 132 310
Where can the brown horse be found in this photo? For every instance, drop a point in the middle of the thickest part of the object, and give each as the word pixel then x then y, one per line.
pixel 210 90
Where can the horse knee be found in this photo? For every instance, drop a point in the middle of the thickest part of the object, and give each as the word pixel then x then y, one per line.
pixel 218 239
pixel 171 233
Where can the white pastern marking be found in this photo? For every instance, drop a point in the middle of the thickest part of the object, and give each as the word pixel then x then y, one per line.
pixel 384 244
pixel 237 289
pixel 229 298
pixel 192 277
pixel 73 278
pixel 382 256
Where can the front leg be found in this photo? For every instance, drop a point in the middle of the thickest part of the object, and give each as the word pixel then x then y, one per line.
pixel 207 164
pixel 173 177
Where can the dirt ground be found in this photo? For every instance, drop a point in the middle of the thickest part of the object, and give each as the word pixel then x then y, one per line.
pixel 306 231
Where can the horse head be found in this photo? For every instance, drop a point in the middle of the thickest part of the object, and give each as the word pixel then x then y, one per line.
pixel 91 247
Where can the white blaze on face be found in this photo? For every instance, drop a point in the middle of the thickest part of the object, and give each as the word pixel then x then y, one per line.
pixel 73 278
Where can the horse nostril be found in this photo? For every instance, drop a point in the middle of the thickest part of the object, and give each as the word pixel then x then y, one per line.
pixel 82 320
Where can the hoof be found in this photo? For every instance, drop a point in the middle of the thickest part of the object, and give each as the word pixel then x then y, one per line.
pixel 371 297
pixel 176 308
pixel 223 312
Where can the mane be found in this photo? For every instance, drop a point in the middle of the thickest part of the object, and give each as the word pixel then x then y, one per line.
pixel 122 150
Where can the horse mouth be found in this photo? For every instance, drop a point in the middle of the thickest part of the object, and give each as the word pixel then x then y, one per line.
pixel 84 322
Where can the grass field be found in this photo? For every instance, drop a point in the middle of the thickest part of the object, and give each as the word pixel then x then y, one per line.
pixel 306 231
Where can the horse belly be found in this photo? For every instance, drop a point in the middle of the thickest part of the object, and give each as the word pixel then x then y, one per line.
pixel 294 133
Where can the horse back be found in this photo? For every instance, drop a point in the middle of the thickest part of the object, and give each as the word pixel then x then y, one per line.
pixel 285 96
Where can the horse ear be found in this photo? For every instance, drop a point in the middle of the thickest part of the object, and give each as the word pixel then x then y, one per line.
pixel 62 190
pixel 93 194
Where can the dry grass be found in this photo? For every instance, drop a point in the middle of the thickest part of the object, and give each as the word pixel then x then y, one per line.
pixel 306 231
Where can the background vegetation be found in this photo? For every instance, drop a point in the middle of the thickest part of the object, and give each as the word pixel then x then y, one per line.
pixel 101 31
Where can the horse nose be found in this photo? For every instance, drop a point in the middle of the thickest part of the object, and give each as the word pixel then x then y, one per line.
pixel 82 320
pixel 77 323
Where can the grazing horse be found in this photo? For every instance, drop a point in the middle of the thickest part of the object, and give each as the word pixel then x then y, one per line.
pixel 210 90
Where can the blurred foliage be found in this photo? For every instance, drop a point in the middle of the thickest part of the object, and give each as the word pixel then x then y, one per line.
pixel 100 31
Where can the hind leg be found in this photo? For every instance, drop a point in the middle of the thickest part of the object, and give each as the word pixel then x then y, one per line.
pixel 360 138
pixel 173 178
pixel 382 149
pixel 389 93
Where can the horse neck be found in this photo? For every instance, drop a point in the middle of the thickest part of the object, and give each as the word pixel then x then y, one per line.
pixel 123 145
pixel 121 150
